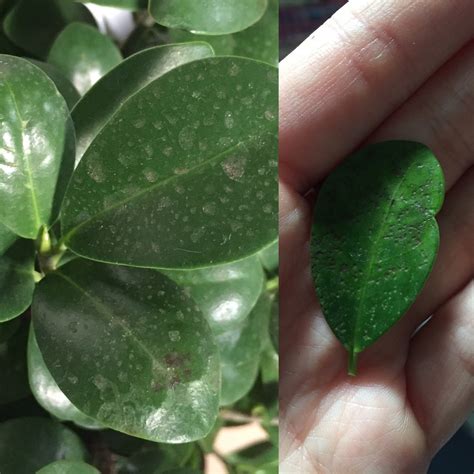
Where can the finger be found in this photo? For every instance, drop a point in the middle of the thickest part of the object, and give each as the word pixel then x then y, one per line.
pixel 354 71
pixel 441 115
pixel 440 369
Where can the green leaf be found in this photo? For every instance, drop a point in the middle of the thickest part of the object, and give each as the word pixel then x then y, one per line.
pixel 260 41
pixel 275 322
pixel 125 4
pixel 193 186
pixel 47 392
pixel 83 55
pixel 7 237
pixel 13 367
pixel 130 349
pixel 16 279
pixel 100 104
pixel 375 239
pixel 34 24
pixel 269 257
pixel 28 444
pixel 255 457
pixel 68 467
pixel 225 293
pixel 36 149
pixel 239 351
pixel 66 89
pixel 208 16
pixel 222 45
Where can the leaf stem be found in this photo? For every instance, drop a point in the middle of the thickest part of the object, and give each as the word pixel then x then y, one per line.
pixel 272 285
pixel 352 369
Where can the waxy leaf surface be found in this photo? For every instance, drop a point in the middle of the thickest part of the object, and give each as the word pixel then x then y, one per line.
pixel 47 392
pixel 99 105
pixel 34 24
pixel 129 348
pixel 7 237
pixel 16 279
pixel 208 16
pixel 224 293
pixel 30 443
pixel 375 239
pixel 68 467
pixel 83 55
pixel 192 186
pixel 37 146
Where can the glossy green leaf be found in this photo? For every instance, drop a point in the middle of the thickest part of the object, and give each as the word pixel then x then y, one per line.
pixel 64 86
pixel 125 4
pixel 129 348
pixel 223 45
pixel 34 24
pixel 193 186
pixel 259 458
pixel 28 444
pixel 208 16
pixel 47 392
pixel 239 351
pixel 7 237
pixel 16 279
pixel 225 293
pixel 260 41
pixel 68 467
pixel 13 367
pixel 83 55
pixel 100 104
pixel 269 257
pixel 36 153
pixel 375 239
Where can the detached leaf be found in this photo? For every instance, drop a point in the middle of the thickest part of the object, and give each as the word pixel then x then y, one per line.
pixel 34 24
pixel 68 467
pixel 130 349
pixel 99 105
pixel 84 55
pixel 66 89
pixel 375 239
pixel 239 351
pixel 36 135
pixel 193 186
pixel 47 392
pixel 225 293
pixel 7 237
pixel 16 279
pixel 13 367
pixel 208 16
pixel 28 444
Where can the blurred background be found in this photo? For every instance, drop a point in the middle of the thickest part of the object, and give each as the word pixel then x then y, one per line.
pixel 298 19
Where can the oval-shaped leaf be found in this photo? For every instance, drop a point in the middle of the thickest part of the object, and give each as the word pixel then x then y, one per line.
pixel 225 293
pixel 68 467
pixel 16 279
pixel 239 351
pixel 13 367
pixel 36 149
pixel 34 24
pixel 64 86
pixel 195 186
pixel 30 443
pixel 208 16
pixel 83 55
pixel 7 237
pixel 99 105
pixel 375 239
pixel 47 392
pixel 130 349
pixel 223 45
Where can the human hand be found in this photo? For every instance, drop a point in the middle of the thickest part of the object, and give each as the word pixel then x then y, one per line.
pixel 379 70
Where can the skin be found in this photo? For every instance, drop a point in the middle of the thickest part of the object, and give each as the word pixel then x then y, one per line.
pixel 378 70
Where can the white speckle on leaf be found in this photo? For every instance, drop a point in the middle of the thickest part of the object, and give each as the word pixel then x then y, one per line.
pixel 174 336
pixel 186 138
pixel 234 167
pixel 228 120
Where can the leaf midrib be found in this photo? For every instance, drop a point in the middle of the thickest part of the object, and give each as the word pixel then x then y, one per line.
pixel 26 160
pixel 150 189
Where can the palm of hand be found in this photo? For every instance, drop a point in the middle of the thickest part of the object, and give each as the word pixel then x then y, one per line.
pixel 412 391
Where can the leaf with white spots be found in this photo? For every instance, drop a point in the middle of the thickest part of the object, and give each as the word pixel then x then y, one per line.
pixel 208 16
pixel 192 186
pixel 37 148
pixel 130 349
pixel 375 239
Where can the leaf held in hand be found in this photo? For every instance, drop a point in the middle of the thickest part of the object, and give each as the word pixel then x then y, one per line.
pixel 375 239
